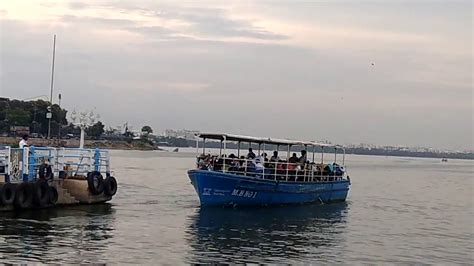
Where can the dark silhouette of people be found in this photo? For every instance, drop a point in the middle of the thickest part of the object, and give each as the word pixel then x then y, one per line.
pixel 302 160
pixel 293 158
pixel 251 155
pixel 275 157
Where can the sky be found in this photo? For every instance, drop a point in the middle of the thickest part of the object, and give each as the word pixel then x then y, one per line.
pixel 378 72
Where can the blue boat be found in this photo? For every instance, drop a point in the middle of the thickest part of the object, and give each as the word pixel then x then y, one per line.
pixel 255 180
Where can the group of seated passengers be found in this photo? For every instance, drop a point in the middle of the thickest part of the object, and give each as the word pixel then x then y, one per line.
pixel 254 163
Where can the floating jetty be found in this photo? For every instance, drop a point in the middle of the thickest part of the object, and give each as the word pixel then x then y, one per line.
pixel 43 177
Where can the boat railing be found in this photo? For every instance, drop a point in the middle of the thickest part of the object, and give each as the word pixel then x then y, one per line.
pixel 277 170
pixel 4 159
pixel 24 164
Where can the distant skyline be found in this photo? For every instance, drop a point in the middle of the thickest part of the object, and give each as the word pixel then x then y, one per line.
pixel 378 72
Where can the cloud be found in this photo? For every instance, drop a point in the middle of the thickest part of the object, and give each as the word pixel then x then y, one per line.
pixel 78 5
pixel 215 22
pixel 98 21
pixel 171 64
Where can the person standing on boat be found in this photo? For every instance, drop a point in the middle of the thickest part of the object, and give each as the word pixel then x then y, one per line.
pixel 275 157
pixel 251 155
pixel 23 142
pixel 292 162
pixel 302 160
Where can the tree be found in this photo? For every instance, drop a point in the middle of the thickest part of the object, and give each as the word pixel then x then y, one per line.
pixel 95 130
pixel 147 130
pixel 30 113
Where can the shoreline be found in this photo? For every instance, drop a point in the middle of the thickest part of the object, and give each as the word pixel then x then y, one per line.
pixel 141 145
pixel 74 143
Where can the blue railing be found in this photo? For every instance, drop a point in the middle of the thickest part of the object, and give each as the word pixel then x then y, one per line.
pixel 22 165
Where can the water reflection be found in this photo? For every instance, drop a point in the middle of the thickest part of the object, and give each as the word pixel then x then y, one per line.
pixel 67 235
pixel 265 235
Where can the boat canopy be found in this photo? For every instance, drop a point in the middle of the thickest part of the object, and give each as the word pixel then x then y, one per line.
pixel 242 138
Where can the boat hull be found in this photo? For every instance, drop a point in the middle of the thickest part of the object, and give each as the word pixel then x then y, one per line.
pixel 223 189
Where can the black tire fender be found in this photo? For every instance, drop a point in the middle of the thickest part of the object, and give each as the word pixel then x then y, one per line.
pixel 23 196
pixel 40 193
pixel 45 171
pixel 52 195
pixel 95 182
pixel 7 194
pixel 110 186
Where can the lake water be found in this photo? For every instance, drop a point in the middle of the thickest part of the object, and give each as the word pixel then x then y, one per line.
pixel 399 210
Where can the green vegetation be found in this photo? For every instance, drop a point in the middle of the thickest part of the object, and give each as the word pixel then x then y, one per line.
pixel 31 114
pixel 147 130
pixel 96 130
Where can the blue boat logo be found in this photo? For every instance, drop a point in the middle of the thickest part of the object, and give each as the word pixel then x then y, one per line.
pixel 206 191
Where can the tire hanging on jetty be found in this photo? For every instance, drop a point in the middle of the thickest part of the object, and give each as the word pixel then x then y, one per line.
pixel 52 195
pixel 40 193
pixel 95 181
pixel 110 186
pixel 24 196
pixel 45 171
pixel 7 194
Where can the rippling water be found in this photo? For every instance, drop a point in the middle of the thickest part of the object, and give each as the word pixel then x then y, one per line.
pixel 399 210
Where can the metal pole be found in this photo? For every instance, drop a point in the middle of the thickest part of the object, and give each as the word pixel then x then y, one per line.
pixel 313 165
pixel 60 118
pixel 52 86
pixel 225 152
pixel 263 161
pixel 322 160
pixel 197 146
pixel 204 146
pixel 238 150
pixel 287 161
pixel 276 162
pixel 343 157
pixel 220 150
pixel 81 141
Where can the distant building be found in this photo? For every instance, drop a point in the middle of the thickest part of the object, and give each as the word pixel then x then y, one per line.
pixel 19 130
pixel 183 133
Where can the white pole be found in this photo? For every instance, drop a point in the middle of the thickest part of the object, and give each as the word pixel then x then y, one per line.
pixel 52 86
pixel 343 157
pixel 81 142
pixel 197 145
pixel 287 161
pixel 322 160
pixel 225 152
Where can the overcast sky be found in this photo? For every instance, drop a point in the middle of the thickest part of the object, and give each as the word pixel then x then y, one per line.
pixel 380 72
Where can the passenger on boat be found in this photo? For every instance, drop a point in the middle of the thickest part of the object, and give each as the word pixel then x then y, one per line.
pixel 251 155
pixel 302 160
pixel 293 158
pixel 258 164
pixel 265 160
pixel 23 142
pixel 292 162
pixel 205 162
pixel 275 157
pixel 234 163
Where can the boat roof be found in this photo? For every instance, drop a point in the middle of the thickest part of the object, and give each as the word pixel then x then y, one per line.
pixel 259 140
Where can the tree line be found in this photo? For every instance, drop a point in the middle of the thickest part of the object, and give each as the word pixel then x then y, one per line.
pixel 33 114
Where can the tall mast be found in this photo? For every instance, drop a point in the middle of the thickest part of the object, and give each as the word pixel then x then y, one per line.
pixel 50 115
